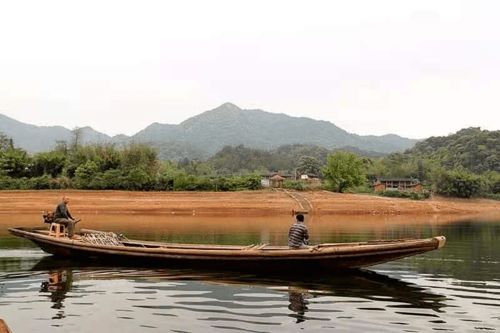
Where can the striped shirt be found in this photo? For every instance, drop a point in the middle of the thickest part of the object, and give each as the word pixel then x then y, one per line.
pixel 298 235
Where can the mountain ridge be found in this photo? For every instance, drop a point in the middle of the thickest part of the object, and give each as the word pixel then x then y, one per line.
pixel 209 131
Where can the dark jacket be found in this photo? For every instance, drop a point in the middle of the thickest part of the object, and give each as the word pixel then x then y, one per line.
pixel 62 212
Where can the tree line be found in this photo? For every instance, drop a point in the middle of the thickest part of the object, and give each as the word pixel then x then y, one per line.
pixel 465 164
pixel 106 167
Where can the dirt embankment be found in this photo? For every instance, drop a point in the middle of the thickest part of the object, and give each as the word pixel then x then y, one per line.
pixel 254 203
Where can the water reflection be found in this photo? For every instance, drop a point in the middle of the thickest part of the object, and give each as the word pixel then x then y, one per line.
pixel 58 284
pixel 301 288
pixel 298 302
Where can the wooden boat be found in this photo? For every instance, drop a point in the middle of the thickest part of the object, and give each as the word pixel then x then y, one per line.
pixel 93 244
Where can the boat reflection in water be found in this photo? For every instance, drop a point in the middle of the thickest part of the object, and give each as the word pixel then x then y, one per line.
pixel 301 289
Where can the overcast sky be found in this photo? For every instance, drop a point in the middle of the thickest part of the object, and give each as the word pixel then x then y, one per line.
pixel 413 68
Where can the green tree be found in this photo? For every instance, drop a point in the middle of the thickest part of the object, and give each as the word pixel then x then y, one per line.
pixel 105 156
pixel 137 179
pixel 239 160
pixel 344 170
pixel 85 174
pixel 309 165
pixel 87 170
pixel 142 156
pixel 6 143
pixel 492 182
pixel 50 163
pixel 15 163
pixel 76 138
pixel 457 183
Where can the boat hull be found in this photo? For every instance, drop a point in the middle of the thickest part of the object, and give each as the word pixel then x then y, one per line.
pixel 324 257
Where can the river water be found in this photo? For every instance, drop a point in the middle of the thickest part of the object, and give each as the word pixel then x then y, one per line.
pixel 455 289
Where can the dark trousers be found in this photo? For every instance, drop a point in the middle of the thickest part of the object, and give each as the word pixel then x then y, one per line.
pixel 69 224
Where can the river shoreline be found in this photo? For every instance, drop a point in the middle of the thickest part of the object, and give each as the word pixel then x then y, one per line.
pixel 248 203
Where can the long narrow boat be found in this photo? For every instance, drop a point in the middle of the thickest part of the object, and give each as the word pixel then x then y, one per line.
pixel 93 244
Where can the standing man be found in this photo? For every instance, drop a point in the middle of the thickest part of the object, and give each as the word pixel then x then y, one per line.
pixel 298 235
pixel 63 216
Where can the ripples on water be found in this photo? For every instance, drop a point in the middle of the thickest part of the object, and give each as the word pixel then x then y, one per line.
pixel 456 289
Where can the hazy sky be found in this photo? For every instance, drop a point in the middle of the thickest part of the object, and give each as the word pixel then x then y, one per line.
pixel 413 68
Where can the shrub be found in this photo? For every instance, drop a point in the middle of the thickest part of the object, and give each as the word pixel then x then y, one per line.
pixel 137 179
pixel 40 183
pixel 61 182
pixel 406 195
pixel 365 188
pixel 294 185
pixel 8 183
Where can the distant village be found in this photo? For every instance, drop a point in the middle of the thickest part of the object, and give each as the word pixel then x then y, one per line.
pixel 313 181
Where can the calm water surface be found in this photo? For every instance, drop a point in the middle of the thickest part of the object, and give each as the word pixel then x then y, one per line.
pixel 456 289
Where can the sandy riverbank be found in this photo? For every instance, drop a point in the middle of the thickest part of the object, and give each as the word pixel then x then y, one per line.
pixel 253 203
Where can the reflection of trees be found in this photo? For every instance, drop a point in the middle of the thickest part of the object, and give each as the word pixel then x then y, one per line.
pixel 58 284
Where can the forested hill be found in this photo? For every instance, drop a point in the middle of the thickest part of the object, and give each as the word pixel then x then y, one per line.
pixel 230 125
pixel 472 148
pixel 205 134
pixel 234 160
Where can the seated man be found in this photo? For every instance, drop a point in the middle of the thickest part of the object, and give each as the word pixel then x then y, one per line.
pixel 298 235
pixel 63 216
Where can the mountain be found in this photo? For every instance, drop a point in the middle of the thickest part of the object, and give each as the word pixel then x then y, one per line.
pixel 205 134
pixel 228 125
pixel 42 138
pixel 30 137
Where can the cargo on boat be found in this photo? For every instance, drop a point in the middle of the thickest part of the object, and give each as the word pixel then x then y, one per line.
pixel 93 244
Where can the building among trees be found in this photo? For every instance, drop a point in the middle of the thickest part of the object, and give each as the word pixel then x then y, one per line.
pixel 398 184
pixel 311 180
pixel 276 181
